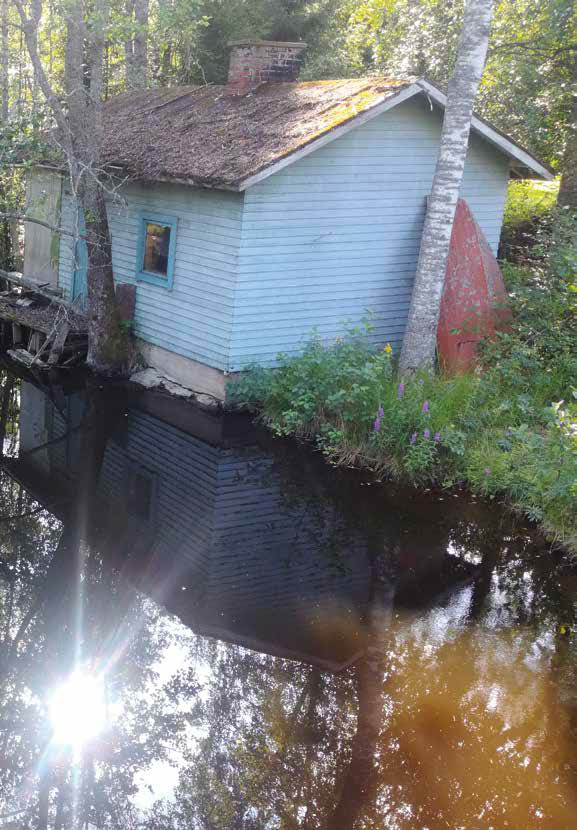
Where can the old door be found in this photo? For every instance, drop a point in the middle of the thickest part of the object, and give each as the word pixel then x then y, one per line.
pixel 79 289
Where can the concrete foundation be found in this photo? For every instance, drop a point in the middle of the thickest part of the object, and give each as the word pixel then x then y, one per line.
pixel 189 373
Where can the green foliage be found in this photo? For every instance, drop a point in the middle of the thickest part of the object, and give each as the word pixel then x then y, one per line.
pixel 508 429
pixel 528 199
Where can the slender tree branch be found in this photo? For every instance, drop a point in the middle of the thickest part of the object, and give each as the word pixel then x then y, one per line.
pixel 20 217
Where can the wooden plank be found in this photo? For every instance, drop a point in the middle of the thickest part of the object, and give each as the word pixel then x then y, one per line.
pixel 23 356
pixel 43 194
pixel 58 345
pixel 39 287
pixel 35 342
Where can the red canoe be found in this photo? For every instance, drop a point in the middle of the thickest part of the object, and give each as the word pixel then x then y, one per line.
pixel 474 300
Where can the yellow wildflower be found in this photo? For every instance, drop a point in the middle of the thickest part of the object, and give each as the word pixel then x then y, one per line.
pixel 388 348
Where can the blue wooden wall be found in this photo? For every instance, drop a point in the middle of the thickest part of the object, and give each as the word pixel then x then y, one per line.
pixel 324 243
pixel 194 318
pixel 336 234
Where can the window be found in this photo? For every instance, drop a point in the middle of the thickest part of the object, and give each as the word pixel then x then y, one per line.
pixel 140 492
pixel 156 244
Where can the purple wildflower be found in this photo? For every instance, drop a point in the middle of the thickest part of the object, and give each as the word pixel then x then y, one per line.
pixel 426 407
pixel 376 424
pixel 380 411
pixel 437 437
pixel 401 391
pixel 421 381
pixel 427 434
pixel 414 438
pixel 487 471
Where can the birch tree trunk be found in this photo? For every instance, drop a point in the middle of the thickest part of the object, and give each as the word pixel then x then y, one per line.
pixel 568 188
pixel 421 335
pixel 80 136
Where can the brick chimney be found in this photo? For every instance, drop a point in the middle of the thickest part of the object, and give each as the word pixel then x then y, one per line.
pixel 256 62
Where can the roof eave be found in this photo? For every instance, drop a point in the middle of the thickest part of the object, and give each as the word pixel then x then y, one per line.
pixel 199 184
pixel 493 136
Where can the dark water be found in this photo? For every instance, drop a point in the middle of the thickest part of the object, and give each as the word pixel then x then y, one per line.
pixel 202 627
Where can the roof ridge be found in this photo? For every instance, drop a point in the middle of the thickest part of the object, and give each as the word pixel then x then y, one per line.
pixel 190 90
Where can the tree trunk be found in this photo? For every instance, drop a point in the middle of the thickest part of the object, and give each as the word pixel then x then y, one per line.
pixel 105 338
pixel 6 398
pixel 129 46
pixel 4 63
pixel 141 44
pixel 360 782
pixel 80 133
pixel 106 341
pixel 421 334
pixel 43 802
pixel 568 188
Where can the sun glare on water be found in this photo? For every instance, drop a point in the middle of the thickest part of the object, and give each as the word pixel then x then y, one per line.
pixel 77 709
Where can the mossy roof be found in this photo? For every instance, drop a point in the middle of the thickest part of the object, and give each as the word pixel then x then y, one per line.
pixel 204 137
pixel 201 135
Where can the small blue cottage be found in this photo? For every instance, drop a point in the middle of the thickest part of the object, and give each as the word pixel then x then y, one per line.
pixel 251 213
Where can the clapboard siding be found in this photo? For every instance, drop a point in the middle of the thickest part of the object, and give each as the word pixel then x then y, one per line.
pixel 184 472
pixel 66 258
pixel 334 237
pixel 193 319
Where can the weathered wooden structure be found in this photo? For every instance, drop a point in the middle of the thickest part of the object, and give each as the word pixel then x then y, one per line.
pixel 38 328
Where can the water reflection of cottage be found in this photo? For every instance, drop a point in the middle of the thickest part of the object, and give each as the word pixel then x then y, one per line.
pixel 198 515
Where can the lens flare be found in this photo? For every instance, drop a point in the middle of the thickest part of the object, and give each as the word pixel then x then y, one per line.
pixel 77 710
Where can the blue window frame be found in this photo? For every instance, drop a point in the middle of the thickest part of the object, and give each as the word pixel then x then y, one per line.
pixel 156 247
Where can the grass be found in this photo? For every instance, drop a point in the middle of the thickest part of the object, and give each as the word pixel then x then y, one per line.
pixel 527 200
pixel 507 430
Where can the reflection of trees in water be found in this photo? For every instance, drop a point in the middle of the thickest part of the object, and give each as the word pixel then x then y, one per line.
pixel 277 734
pixel 429 729
pixel 475 737
pixel 58 604
pixel 435 729
pixel 466 732
pixel 123 634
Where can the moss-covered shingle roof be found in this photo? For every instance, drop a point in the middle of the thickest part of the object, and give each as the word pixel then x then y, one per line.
pixel 201 135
